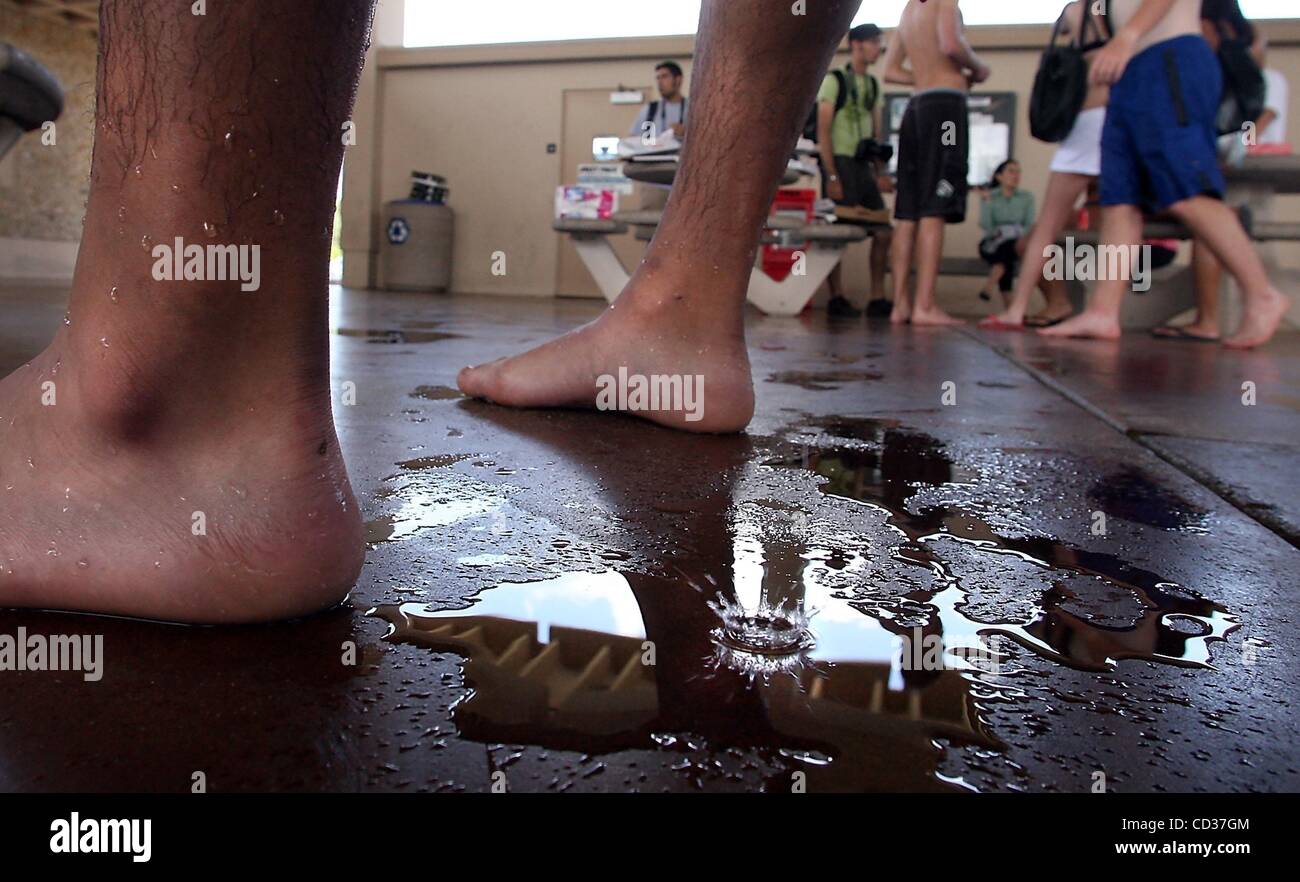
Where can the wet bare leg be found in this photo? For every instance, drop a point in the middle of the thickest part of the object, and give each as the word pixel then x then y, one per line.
pixel 1218 228
pixel 900 257
pixel 1120 225
pixel 1209 278
pixel 1208 274
pixel 929 252
pixel 172 454
pixel 683 311
pixel 1063 192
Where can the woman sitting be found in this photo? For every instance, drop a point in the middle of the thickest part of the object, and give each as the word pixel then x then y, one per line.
pixel 1006 214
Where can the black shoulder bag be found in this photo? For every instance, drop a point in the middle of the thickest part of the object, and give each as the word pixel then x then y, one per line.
pixel 1061 84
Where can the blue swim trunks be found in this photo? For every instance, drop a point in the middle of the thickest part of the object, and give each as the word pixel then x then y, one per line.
pixel 1158 146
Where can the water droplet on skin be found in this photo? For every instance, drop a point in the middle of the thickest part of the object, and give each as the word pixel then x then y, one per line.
pixel 229 140
pixel 146 242
pixel 252 154
pixel 112 294
pixel 278 217
pixel 139 172
pixel 210 229
pixel 176 188
pixel 103 341
pixel 83 563
pixel 67 318
pixel 121 213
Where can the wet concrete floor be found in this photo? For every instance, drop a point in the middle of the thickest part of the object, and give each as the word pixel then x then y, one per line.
pixel 573 601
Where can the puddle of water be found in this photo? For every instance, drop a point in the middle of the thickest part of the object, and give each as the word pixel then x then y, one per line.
pixel 430 497
pixel 888 471
pixel 820 381
pixel 396 336
pixel 604 662
pixel 855 667
pixel 436 393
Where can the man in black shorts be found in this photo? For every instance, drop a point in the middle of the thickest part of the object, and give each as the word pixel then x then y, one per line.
pixel 848 123
pixel 933 147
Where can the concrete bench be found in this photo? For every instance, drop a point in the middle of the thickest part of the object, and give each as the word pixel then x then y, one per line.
pixel 1173 288
pixel 823 247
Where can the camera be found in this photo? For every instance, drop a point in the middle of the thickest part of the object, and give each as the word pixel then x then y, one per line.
pixel 871 150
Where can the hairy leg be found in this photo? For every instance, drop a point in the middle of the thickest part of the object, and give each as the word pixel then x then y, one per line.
pixel 682 313
pixel 172 453
pixel 1217 227
pixel 900 257
pixel 1208 274
pixel 929 252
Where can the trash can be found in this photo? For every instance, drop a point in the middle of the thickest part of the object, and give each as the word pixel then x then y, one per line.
pixel 416 251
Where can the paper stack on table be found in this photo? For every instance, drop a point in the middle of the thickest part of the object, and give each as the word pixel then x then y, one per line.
pixel 661 149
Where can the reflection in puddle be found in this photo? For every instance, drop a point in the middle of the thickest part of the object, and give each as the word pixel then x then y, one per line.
pixel 819 381
pixel 1131 494
pixel 431 496
pixel 394 336
pixel 887 471
pixel 436 393
pixel 608 661
pixel 829 652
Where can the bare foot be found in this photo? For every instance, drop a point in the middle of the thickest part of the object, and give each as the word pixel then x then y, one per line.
pixel 934 316
pixel 1260 320
pixel 1086 324
pixel 642 336
pixel 901 314
pixel 205 516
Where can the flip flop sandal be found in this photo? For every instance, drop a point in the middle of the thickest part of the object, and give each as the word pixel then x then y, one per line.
pixel 996 325
pixel 1168 332
pixel 1035 322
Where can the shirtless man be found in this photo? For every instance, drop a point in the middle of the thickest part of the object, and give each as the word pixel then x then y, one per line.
pixel 1158 150
pixel 933 147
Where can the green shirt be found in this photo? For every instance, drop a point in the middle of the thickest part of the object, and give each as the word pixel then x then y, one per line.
pixel 1000 211
pixel 853 121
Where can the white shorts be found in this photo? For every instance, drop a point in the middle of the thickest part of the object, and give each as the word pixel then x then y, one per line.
pixel 1080 152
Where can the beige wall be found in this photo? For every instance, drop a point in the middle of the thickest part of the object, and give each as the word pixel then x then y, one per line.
pixel 482 116
pixel 43 187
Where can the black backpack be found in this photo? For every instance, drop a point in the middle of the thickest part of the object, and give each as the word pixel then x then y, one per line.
pixel 1061 84
pixel 654 110
pixel 1243 84
pixel 842 83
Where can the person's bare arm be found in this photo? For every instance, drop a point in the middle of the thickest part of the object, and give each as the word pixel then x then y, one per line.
pixel 895 55
pixel 1114 57
pixel 953 43
pixel 1068 17
pixel 825 116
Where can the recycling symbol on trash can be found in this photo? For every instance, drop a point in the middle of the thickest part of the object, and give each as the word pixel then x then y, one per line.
pixel 398 231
